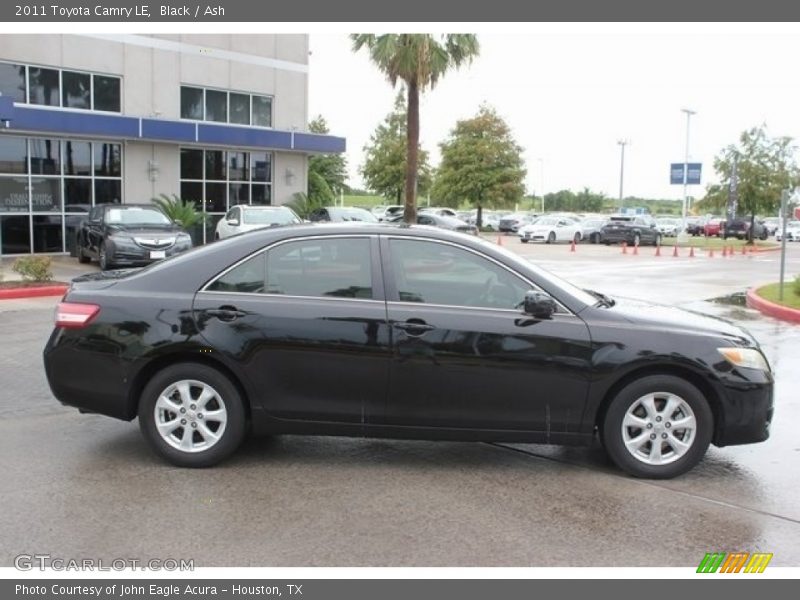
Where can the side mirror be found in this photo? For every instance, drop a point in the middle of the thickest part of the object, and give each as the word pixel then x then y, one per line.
pixel 233 222
pixel 539 304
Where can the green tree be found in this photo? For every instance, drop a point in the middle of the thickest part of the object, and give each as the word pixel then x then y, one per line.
pixel 332 168
pixel 481 163
pixel 765 166
pixel 418 60
pixel 384 169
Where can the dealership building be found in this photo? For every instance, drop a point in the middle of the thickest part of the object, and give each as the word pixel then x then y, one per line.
pixel 89 119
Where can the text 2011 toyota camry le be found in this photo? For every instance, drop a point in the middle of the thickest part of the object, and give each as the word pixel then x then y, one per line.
pixel 405 332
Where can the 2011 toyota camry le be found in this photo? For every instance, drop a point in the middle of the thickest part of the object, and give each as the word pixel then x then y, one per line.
pixel 398 332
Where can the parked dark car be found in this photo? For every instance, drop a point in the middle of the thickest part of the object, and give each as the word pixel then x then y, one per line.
pixel 340 214
pixel 128 235
pixel 635 230
pixel 512 223
pixel 695 226
pixel 740 229
pixel 408 332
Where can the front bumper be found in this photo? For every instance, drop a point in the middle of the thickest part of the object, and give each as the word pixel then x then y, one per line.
pixel 747 412
pixel 137 256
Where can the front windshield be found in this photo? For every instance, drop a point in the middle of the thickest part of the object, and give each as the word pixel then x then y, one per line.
pixel 136 216
pixel 355 214
pixel 271 216
pixel 544 222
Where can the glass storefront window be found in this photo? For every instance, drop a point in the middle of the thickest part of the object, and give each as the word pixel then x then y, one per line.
pixel 262 111
pixel 107 191
pixel 239 194
pixel 216 197
pixel 193 191
pixel 237 166
pixel 191 164
pixel 107 94
pixel 12 82
pixel 261 169
pixel 107 160
pixel 44 86
pixel 76 90
pixel 13 155
pixel 14 194
pixel 191 103
pixel 77 158
pixel 216 106
pixel 261 194
pixel 215 165
pixel 77 195
pixel 240 108
pixel 15 234
pixel 45 194
pixel 47 233
pixel 45 156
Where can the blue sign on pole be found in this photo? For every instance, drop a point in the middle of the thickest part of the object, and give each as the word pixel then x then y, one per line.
pixel 676 173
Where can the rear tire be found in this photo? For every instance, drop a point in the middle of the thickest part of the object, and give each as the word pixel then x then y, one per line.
pixel 82 258
pixel 657 427
pixel 523 240
pixel 170 409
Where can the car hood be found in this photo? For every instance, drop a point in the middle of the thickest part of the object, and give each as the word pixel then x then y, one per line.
pixel 673 319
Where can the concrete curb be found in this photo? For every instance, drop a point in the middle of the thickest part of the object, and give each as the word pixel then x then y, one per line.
pixel 777 311
pixel 33 292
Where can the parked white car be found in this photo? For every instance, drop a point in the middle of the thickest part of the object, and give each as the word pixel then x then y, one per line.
pixel 550 230
pixel 792 232
pixel 245 217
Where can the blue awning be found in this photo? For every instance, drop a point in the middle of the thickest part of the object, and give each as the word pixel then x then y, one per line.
pixel 48 121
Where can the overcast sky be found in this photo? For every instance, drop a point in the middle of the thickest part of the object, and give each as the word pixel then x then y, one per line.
pixel 570 92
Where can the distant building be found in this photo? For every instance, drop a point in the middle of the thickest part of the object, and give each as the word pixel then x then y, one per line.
pixel 91 119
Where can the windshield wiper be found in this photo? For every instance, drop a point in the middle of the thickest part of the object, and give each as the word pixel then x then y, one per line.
pixel 602 299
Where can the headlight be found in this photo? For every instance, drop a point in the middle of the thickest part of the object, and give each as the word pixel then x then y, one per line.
pixel 749 358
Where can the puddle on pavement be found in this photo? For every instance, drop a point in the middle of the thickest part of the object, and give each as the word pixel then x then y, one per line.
pixel 737 299
pixel 734 306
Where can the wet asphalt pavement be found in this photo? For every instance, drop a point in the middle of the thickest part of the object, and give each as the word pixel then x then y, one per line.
pixel 87 486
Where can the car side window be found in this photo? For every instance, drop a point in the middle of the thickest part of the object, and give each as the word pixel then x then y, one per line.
pixel 247 277
pixel 425 220
pixel 333 267
pixel 232 214
pixel 436 273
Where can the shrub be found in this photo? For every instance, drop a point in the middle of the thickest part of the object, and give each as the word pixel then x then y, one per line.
pixel 796 285
pixel 182 212
pixel 304 205
pixel 34 268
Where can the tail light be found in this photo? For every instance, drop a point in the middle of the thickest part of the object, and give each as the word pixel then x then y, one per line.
pixel 71 315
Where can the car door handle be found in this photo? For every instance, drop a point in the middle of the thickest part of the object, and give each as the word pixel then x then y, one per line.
pixel 225 313
pixel 413 327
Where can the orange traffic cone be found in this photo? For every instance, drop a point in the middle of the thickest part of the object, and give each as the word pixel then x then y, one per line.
pixel 499 239
pixel 658 250
pixel 691 251
pixel 572 247
pixel 675 250
pixel 624 247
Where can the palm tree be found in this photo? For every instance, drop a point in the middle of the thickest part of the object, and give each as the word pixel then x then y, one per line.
pixel 419 60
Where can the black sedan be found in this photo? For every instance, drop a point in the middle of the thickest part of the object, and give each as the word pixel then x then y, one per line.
pixel 396 331
pixel 128 235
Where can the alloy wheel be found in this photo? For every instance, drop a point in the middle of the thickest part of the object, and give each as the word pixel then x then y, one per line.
pixel 190 415
pixel 659 428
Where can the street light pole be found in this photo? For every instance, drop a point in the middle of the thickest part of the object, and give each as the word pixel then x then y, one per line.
pixel 622 144
pixel 683 236
pixel 541 179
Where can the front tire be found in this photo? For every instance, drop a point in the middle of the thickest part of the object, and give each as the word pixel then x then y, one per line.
pixel 551 237
pixel 102 257
pixel 82 258
pixel 192 415
pixel 657 427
